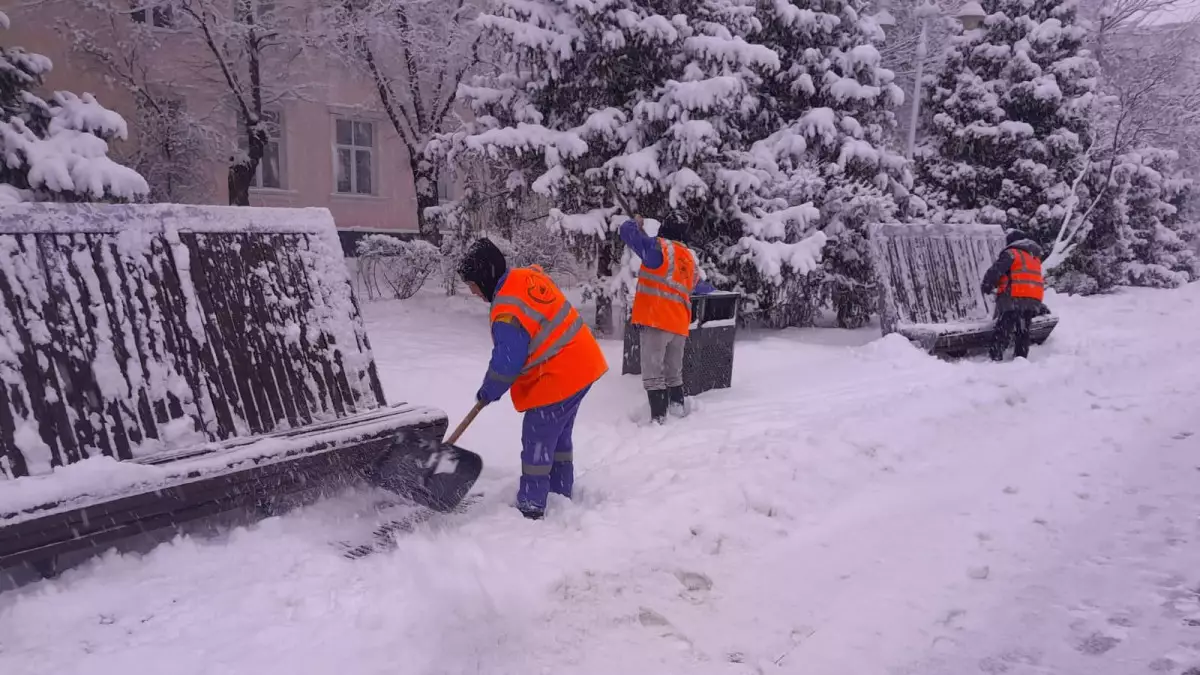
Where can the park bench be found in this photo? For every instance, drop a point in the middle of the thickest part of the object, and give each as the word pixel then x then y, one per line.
pixel 164 363
pixel 929 277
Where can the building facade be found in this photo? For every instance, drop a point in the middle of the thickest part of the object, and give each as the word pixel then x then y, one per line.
pixel 330 145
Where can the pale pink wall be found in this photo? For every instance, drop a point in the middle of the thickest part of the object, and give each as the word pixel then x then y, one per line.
pixel 309 170
pixel 308 145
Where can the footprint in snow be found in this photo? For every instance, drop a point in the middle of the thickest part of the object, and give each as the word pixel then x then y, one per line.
pixel 1122 620
pixel 694 581
pixel 1096 644
pixel 651 619
pixel 1003 662
pixel 1162 665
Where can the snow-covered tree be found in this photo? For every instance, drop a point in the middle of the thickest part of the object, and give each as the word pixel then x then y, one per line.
pixel 1136 233
pixel 1008 120
pixel 171 145
pixel 693 113
pixel 241 56
pixel 901 46
pixel 56 148
pixel 416 53
pixel 249 46
pixel 1160 255
pixel 1150 101
pixel 832 96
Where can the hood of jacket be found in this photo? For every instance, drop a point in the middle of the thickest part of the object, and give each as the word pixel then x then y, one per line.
pixel 1028 245
pixel 484 265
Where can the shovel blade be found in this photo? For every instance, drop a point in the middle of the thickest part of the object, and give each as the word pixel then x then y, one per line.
pixel 451 478
pixel 437 479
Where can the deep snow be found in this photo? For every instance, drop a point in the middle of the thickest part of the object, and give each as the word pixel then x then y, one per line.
pixel 849 506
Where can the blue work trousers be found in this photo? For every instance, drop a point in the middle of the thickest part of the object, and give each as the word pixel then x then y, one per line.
pixel 547 459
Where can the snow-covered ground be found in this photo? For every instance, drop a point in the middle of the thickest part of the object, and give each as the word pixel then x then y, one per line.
pixel 850 506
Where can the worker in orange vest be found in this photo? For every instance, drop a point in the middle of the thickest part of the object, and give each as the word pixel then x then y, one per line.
pixel 662 308
pixel 545 356
pixel 1016 279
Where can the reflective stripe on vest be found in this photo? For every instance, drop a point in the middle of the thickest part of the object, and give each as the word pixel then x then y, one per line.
pixel 546 327
pixel 1024 278
pixel 680 294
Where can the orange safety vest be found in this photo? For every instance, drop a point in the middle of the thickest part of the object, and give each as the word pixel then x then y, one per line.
pixel 664 294
pixel 563 356
pixel 1024 278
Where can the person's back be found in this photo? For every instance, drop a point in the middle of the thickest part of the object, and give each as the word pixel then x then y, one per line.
pixel 544 352
pixel 662 310
pixel 1017 280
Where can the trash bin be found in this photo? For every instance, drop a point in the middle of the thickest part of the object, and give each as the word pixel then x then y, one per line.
pixel 708 355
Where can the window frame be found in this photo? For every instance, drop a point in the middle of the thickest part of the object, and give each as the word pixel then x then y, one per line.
pixel 152 13
pixel 354 148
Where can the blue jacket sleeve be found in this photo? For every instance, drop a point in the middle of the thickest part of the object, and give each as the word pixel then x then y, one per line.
pixel 643 245
pixel 510 346
pixel 703 288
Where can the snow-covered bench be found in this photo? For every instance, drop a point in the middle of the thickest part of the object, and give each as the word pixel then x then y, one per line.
pixel 929 285
pixel 163 363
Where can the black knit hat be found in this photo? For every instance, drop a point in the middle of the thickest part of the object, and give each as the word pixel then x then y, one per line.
pixel 671 229
pixel 483 264
pixel 1014 236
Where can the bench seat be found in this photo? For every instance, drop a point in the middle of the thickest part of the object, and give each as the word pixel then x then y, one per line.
pixel 967 337
pixel 89 505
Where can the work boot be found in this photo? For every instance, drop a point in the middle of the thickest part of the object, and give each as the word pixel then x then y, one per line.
pixel 531 512
pixel 659 401
pixel 678 402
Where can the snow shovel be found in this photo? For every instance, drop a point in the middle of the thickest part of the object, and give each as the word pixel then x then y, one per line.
pixel 439 479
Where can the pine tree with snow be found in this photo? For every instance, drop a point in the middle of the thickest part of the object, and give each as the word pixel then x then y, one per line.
pixel 832 97
pixel 1136 235
pixel 56 149
pixel 1160 257
pixel 652 103
pixel 1008 119
pixel 1095 263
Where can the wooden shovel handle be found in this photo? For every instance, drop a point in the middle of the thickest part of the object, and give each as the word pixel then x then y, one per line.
pixel 612 188
pixel 462 426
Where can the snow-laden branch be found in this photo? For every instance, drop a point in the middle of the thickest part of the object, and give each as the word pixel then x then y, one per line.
pixel 1074 230
pixel 415 53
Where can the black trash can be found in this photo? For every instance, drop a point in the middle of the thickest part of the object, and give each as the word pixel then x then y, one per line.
pixel 708 355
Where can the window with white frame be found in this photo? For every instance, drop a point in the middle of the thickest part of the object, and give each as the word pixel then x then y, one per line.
pixel 262 9
pixel 445 186
pixel 354 156
pixel 269 174
pixel 157 14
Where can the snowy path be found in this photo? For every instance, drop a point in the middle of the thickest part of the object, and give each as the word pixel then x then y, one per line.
pixel 839 510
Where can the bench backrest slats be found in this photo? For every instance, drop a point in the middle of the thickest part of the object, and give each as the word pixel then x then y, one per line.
pixel 930 274
pixel 130 330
